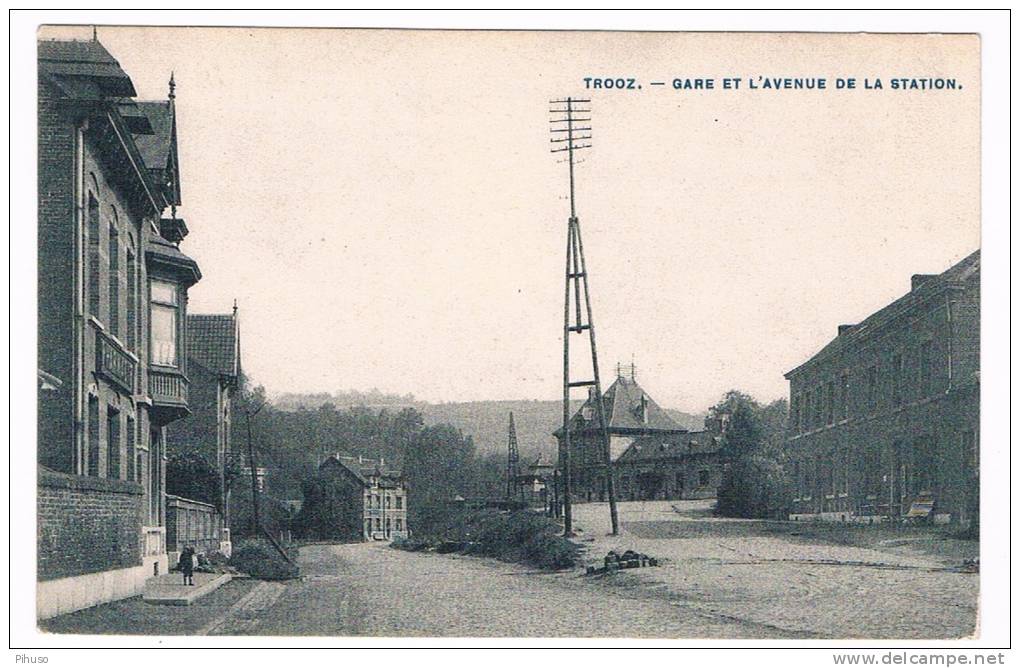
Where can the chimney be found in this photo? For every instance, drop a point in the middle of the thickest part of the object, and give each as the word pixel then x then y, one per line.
pixel 842 329
pixel 644 409
pixel 917 280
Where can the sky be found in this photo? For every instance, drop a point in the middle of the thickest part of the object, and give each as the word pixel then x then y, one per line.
pixel 384 208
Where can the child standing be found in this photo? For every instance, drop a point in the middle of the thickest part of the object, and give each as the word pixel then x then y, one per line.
pixel 187 563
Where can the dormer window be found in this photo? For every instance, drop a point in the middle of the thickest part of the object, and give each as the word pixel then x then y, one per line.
pixel 164 318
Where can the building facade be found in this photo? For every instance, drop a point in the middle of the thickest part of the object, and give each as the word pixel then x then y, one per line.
pixel 653 456
pixel 374 498
pixel 113 286
pixel 672 466
pixel 214 371
pixel 886 416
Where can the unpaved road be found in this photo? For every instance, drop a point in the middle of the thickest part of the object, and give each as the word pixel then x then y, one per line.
pixel 371 589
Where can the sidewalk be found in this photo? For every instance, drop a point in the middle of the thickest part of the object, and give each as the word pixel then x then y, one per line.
pixel 169 589
pixel 133 616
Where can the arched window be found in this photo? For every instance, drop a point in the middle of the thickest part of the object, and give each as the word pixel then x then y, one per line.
pixel 92 213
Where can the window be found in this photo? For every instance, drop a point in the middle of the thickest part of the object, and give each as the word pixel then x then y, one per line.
pixel 113 281
pixel 93 231
pixel 93 460
pixel 795 414
pixel 896 379
pixel 703 477
pixel 806 418
pixel 129 458
pixel 112 443
pixel 873 472
pixel 132 302
pixel 164 323
pixel 830 402
pixel 924 358
pixel 400 524
pixel 400 502
pixel 872 387
pixel 844 395
pixel 388 500
pixel 969 446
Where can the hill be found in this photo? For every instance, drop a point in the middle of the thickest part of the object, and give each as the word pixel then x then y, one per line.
pixel 485 421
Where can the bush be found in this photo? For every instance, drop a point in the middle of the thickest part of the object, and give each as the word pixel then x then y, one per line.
pixel 753 487
pixel 259 559
pixel 522 536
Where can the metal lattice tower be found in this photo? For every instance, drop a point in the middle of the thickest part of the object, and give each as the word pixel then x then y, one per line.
pixel 513 472
pixel 571 129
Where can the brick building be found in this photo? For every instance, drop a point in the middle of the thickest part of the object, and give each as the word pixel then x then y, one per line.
pixel 214 371
pixel 887 414
pixel 670 466
pixel 112 291
pixel 653 456
pixel 375 498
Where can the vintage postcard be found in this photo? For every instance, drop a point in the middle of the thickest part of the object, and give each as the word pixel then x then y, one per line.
pixel 413 333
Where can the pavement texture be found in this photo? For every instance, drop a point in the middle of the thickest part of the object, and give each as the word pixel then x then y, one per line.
pixel 809 580
pixel 718 579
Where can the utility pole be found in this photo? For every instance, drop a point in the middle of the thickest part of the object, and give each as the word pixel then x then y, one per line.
pixel 256 524
pixel 513 487
pixel 571 128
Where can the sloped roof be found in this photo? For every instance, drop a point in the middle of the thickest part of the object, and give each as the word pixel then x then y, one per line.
pixel 213 342
pixel 71 59
pixel 669 446
pixel 362 468
pixel 155 147
pixel 961 272
pixel 622 403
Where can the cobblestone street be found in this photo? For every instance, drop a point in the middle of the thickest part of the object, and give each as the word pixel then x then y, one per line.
pixel 720 578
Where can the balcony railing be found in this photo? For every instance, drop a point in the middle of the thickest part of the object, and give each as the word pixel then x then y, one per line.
pixel 167 386
pixel 114 363
pixel 169 391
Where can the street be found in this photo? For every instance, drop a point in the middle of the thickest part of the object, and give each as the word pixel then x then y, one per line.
pixel 719 578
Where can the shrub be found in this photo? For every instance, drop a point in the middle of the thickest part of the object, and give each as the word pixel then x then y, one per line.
pixel 259 559
pixel 522 536
pixel 753 487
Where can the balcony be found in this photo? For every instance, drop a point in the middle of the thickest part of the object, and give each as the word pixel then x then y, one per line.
pixel 114 363
pixel 169 391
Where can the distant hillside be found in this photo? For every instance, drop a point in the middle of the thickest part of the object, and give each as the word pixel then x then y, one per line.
pixel 485 421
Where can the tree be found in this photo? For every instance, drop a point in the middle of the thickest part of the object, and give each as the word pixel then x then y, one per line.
pixel 437 465
pixel 190 475
pixel 754 484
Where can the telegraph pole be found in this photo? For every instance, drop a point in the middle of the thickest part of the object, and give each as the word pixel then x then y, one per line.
pixel 256 524
pixel 571 128
pixel 513 487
